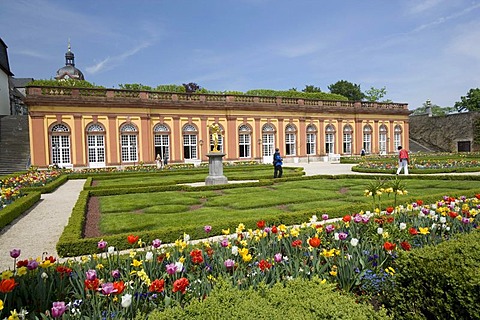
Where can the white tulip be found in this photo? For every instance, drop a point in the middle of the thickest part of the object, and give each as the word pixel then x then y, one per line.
pixel 126 300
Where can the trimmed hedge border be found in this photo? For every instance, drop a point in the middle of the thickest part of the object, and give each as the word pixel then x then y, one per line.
pixel 72 243
pixel 18 207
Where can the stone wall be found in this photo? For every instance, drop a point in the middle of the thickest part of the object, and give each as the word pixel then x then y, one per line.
pixel 445 132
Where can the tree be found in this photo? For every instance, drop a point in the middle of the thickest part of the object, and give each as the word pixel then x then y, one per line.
pixel 436 109
pixel 191 87
pixel 470 102
pixel 311 89
pixel 374 94
pixel 347 89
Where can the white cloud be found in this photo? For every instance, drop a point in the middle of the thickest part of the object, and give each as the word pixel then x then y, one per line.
pixel 442 20
pixel 420 6
pixel 298 50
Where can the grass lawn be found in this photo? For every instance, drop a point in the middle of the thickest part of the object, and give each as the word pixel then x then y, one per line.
pixel 228 207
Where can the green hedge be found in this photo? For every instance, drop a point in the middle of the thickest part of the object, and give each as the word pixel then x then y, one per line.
pixel 417 171
pixel 439 282
pixel 18 207
pixel 49 187
pixel 295 299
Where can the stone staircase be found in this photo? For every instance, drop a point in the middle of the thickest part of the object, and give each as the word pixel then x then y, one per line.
pixel 14 144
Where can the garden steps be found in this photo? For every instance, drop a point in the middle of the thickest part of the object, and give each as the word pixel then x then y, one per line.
pixel 14 144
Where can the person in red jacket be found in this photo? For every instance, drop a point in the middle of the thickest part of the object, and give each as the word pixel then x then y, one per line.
pixel 403 160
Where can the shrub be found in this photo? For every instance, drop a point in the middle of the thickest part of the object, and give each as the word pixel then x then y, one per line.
pixel 439 283
pixel 19 206
pixel 296 299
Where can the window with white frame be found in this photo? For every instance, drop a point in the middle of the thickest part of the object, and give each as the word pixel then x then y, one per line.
pixel 382 139
pixel 311 139
pixel 244 141
pixel 60 144
pixel 397 137
pixel 162 140
pixel 96 145
pixel 347 139
pixel 220 139
pixel 128 142
pixel 367 139
pixel 268 140
pixel 329 139
pixel 290 140
pixel 189 142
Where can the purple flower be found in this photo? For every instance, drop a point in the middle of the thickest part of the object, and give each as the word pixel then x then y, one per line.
pixel 107 288
pixel 58 309
pixel 267 229
pixel 414 205
pixel 425 211
pixel 277 257
pixel 224 243
pixel 465 220
pixel 325 216
pixel 229 263
pixel 357 218
pixel 32 265
pixel 15 253
pixel 365 219
pixel 156 243
pixel 171 268
pixel 91 274
pixel 342 235
pixel 463 198
pixel 207 229
pixel 102 245
pixel 115 273
pixel 329 228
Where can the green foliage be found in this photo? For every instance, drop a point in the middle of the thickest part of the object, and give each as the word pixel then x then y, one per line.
pixel 170 88
pixel 439 283
pixel 470 102
pixel 64 83
pixel 296 299
pixel 311 89
pixel 296 94
pixel 374 95
pixel 135 86
pixel 347 89
pixel 436 109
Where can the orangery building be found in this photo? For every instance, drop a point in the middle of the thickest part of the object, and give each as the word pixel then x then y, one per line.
pixel 90 127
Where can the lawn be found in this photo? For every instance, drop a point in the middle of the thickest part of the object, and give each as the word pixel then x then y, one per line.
pixel 228 207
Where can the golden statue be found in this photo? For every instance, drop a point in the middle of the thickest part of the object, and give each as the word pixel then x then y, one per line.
pixel 215 130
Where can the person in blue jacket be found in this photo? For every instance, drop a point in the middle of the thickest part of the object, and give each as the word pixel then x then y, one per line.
pixel 277 163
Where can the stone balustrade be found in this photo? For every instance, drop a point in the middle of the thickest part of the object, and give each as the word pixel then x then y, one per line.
pixel 35 91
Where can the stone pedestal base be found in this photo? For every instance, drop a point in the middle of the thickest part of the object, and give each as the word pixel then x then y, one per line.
pixel 215 169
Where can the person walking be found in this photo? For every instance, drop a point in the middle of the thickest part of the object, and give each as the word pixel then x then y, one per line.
pixel 277 163
pixel 403 160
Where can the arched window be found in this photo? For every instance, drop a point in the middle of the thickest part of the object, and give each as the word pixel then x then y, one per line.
pixel 220 139
pixel 397 137
pixel 290 140
pixel 244 141
pixel 128 142
pixel 382 139
pixel 329 139
pixel 347 139
pixel 268 141
pixel 367 138
pixel 161 136
pixel 96 145
pixel 60 145
pixel 311 139
pixel 190 134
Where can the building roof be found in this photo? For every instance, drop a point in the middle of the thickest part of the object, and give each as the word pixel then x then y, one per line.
pixel 69 71
pixel 4 58
pixel 21 82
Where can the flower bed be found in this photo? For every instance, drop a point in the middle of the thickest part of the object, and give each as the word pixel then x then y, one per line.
pixel 356 253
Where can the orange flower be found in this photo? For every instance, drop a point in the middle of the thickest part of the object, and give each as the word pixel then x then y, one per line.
pixel 132 239
pixel 120 286
pixel 261 224
pixel 389 246
pixel 196 256
pixel 92 284
pixel 452 214
pixel 157 285
pixel 314 242
pixel 347 218
pixel 7 285
pixel 419 202
pixel 413 231
pixel 389 210
pixel 180 285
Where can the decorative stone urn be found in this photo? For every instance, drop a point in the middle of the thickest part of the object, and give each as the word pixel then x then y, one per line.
pixel 215 169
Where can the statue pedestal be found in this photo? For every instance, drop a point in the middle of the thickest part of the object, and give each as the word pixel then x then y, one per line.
pixel 215 169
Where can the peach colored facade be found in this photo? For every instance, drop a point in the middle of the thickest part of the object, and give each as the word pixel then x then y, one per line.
pixel 109 127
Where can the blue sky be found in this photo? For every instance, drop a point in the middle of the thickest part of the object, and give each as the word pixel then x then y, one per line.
pixel 417 49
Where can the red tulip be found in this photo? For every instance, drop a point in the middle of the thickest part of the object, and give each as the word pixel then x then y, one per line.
pixel 7 285
pixel 314 242
pixel 261 224
pixel 389 246
pixel 132 239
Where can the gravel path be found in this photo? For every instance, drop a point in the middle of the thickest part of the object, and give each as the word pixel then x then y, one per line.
pixel 37 231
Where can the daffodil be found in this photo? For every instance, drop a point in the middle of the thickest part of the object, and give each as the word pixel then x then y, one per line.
pixel 1 304
pixel 22 271
pixel 132 254
pixel 136 263
pixel 423 230
pixel 226 231
pixel 247 258
pixel 7 274
pixel 182 259
pixel 328 253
